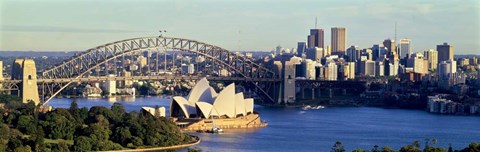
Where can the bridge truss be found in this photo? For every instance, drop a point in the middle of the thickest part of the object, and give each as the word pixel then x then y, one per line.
pixel 105 58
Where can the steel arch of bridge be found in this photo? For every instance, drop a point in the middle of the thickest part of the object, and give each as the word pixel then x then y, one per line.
pixel 81 64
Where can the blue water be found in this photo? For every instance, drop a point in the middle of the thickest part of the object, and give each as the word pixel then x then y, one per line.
pixel 293 129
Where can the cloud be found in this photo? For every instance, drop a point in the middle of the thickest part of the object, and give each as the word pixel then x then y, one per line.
pixel 11 28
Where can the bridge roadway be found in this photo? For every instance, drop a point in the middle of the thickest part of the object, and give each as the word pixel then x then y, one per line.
pixel 158 77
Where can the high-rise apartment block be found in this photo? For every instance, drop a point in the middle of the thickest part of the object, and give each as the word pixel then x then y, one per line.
pixel 445 52
pixel 339 39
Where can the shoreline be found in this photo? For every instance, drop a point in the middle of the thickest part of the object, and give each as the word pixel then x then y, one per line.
pixel 198 140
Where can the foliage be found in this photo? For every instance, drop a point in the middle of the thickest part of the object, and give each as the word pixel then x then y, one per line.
pixel 338 147
pixel 23 128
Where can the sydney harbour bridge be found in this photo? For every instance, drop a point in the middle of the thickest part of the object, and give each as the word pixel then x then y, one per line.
pixel 262 79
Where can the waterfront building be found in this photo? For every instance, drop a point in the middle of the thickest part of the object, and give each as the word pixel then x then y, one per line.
pixel 203 102
pixel 405 48
pixel 451 79
pixel 438 104
pixel 432 56
pixel 339 39
pixel 92 91
pixel 301 48
pixel 127 83
pixel 316 38
pixel 315 54
pixel 111 85
pixel 289 79
pixel 445 52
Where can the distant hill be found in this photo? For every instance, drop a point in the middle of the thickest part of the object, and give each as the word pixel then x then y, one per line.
pixel 466 55
pixel 35 53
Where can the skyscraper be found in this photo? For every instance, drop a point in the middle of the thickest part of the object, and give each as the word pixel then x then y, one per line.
pixel 390 45
pixel 316 38
pixel 301 48
pixel 339 39
pixel 405 48
pixel 432 57
pixel 445 52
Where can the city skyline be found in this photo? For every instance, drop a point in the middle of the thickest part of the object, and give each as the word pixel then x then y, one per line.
pixel 250 25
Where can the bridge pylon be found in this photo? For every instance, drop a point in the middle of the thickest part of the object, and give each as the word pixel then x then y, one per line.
pixel 25 70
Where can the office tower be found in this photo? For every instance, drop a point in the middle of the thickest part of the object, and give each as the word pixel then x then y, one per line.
pixel 353 53
pixel 301 48
pixel 315 54
pixel 367 68
pixel 432 57
pixel 378 51
pixel 379 68
pixel 339 39
pixel 332 71
pixel 445 52
pixel 390 45
pixel 417 62
pixel 405 48
pixel 316 38
pixel 309 69
pixel 350 70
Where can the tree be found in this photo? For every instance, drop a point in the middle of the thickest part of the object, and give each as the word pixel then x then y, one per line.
pixel 338 147
pixel 387 149
pixel 82 144
pixel 359 150
pixel 375 149
pixel 122 135
pixel 26 148
pixel 26 125
pixel 61 147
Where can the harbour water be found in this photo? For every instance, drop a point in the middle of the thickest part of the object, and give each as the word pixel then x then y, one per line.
pixel 294 129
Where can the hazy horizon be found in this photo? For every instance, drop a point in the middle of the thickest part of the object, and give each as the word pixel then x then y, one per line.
pixel 73 25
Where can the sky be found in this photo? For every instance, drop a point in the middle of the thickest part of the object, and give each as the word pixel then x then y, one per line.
pixel 74 25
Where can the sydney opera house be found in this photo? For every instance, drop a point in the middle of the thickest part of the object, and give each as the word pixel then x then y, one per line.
pixel 227 108
pixel 204 102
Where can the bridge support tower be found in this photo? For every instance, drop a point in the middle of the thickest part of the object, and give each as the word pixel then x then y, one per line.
pixel 25 70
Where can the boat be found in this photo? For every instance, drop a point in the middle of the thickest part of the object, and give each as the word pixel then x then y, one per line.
pixel 215 129
pixel 319 107
pixel 307 107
